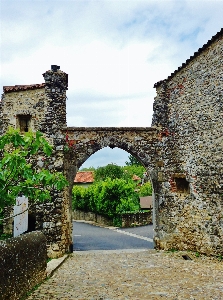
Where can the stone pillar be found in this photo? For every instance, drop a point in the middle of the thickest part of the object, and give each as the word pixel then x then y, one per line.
pixel 56 84
pixel 54 218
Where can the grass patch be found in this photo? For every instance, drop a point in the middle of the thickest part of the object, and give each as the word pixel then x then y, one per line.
pixel 5 236
pixel 172 250
pixel 48 259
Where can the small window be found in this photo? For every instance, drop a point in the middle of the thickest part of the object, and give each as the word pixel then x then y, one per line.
pixel 24 122
pixel 182 185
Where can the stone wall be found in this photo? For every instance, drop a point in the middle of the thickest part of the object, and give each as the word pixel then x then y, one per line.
pixel 188 109
pixel 126 219
pixel 137 219
pixel 23 101
pixel 43 107
pixel 23 262
pixel 92 217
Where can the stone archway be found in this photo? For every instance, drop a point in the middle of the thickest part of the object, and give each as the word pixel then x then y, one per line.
pixel 85 141
pixel 82 142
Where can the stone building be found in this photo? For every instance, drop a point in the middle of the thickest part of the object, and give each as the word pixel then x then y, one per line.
pixel 43 107
pixel 84 178
pixel 188 109
pixel 182 151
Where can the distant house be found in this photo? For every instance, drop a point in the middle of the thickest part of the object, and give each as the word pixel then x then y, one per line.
pixel 136 178
pixel 146 202
pixel 84 178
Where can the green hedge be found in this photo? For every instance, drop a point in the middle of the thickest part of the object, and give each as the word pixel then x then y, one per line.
pixel 109 197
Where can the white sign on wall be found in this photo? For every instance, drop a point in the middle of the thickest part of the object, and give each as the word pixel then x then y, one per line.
pixel 21 215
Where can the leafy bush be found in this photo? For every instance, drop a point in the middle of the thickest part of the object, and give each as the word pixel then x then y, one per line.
pixel 18 175
pixel 110 171
pixel 134 170
pixel 145 189
pixel 109 197
pixel 5 236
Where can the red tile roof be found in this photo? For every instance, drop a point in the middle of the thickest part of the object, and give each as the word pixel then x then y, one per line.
pixel 88 177
pixel 15 88
pixel 84 177
pixel 197 53
pixel 135 177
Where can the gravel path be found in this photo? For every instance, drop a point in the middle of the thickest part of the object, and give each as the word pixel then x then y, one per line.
pixel 135 275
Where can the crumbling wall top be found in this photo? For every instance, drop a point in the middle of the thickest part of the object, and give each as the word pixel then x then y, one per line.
pixel 17 88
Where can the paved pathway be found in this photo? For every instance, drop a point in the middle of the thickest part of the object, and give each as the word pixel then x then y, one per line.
pixel 133 275
pixel 90 237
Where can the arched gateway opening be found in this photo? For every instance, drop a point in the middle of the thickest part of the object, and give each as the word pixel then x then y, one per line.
pixel 111 189
pixel 82 142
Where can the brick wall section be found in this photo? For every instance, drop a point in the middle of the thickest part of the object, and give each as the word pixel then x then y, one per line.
pixel 188 109
pixel 22 264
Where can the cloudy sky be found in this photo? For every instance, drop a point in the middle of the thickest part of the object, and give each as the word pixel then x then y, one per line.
pixel 113 50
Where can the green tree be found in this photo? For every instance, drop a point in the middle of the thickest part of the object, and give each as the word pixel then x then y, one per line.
pixel 133 161
pixel 110 171
pixel 118 196
pixel 134 170
pixel 134 167
pixel 145 189
pixel 109 197
pixel 18 172
pixel 88 169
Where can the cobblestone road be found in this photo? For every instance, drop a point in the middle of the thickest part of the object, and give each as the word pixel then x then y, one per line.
pixel 109 275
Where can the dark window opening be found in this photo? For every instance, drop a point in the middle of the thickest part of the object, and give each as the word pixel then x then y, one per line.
pixel 24 122
pixel 182 185
pixel 31 222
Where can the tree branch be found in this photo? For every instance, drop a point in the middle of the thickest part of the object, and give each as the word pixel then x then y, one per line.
pixel 18 213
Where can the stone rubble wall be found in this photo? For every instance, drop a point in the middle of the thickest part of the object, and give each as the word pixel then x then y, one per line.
pixel 27 102
pixel 137 219
pixel 127 219
pixel 91 217
pixel 46 104
pixel 188 186
pixel 23 262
